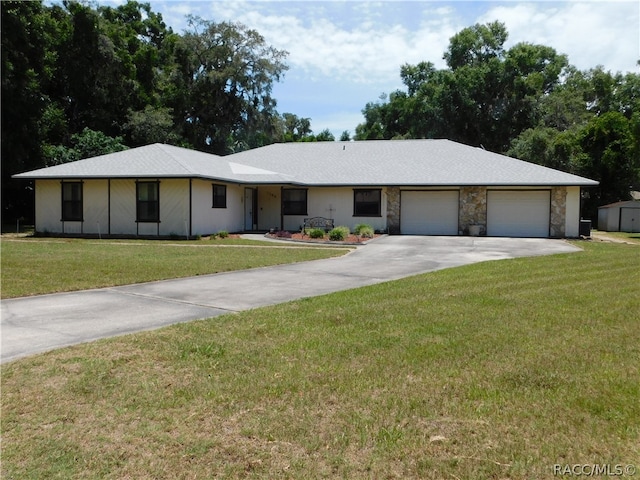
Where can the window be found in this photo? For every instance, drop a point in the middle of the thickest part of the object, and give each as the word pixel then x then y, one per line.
pixel 148 203
pixel 366 203
pixel 294 201
pixel 219 196
pixel 72 202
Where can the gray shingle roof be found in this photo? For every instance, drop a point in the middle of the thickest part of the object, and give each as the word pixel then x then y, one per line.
pixel 371 163
pixel 157 161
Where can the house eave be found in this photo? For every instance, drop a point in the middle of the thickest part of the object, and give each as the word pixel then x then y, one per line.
pixel 241 181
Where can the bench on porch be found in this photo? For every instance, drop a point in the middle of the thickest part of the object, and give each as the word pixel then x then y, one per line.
pixel 318 222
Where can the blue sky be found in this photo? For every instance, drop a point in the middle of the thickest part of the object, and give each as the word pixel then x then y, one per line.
pixel 343 54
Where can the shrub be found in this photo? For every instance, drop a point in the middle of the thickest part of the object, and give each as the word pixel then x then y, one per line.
pixel 223 234
pixel 364 230
pixel 359 227
pixel 339 233
pixel 316 233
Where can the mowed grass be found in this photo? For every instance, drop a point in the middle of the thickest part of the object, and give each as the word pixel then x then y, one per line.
pixel 495 370
pixel 32 266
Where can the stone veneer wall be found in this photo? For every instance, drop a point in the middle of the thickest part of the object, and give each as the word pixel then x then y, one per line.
pixel 393 210
pixel 473 209
pixel 558 217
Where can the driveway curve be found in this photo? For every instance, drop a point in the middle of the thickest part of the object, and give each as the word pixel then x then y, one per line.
pixel 36 324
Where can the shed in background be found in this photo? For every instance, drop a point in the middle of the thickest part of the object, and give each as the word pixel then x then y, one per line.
pixel 620 217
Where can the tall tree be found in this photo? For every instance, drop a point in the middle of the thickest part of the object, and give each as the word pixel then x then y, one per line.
pixel 26 67
pixel 99 83
pixel 486 96
pixel 610 156
pixel 223 82
pixel 139 35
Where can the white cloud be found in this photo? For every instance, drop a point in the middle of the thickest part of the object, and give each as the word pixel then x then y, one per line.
pixel 590 33
pixel 349 41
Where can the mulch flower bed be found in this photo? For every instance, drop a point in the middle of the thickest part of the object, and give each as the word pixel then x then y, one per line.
pixel 306 238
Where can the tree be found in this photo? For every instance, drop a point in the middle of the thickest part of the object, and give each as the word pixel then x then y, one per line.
pixel 89 143
pixel 96 81
pixel 609 156
pixel 139 35
pixel 373 128
pixel 294 128
pixel 547 146
pixel 476 45
pixel 151 125
pixel 487 96
pixel 223 83
pixel 26 67
pixel 325 136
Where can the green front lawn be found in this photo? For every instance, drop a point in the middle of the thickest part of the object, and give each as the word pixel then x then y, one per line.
pixel 34 266
pixel 495 370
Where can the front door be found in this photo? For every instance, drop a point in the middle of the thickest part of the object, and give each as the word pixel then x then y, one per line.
pixel 250 209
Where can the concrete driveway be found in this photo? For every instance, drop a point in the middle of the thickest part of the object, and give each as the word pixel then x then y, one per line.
pixel 37 324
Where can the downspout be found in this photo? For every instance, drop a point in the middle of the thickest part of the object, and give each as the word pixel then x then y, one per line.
pixel 136 200
pixel 109 206
pixel 62 204
pixel 158 224
pixel 190 207
pixel 82 199
pixel 281 214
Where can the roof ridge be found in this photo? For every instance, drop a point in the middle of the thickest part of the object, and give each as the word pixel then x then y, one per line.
pixel 174 158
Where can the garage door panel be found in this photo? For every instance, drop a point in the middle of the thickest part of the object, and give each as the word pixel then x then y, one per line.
pixel 629 219
pixel 518 213
pixel 429 213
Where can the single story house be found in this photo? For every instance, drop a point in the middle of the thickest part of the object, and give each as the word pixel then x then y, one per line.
pixel 422 187
pixel 620 217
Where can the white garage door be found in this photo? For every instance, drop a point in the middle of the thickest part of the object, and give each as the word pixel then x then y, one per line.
pixel 429 213
pixel 629 219
pixel 518 213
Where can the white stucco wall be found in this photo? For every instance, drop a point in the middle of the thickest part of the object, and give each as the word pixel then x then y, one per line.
pixel 123 207
pixel 174 208
pixel 269 207
pixel 95 197
pixel 206 219
pixel 572 219
pixel 48 206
